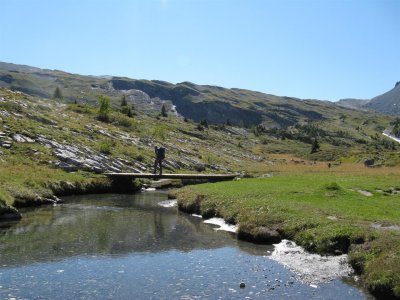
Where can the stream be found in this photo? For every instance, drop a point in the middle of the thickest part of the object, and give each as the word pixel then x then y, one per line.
pixel 130 247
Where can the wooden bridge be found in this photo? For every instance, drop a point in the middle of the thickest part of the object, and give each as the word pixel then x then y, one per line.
pixel 211 177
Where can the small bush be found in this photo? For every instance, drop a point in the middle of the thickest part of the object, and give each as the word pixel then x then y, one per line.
pixel 123 120
pixel 139 157
pixel 104 108
pixel 105 147
pixel 159 132
pixel 333 186
pixel 81 108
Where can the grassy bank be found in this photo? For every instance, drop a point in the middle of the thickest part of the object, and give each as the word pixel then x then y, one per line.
pixel 24 183
pixel 347 209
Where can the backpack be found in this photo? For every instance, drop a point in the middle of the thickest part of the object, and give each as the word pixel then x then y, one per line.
pixel 161 153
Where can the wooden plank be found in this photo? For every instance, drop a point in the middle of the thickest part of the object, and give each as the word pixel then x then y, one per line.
pixel 172 176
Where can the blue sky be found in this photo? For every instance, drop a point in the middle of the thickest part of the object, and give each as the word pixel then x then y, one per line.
pixel 326 50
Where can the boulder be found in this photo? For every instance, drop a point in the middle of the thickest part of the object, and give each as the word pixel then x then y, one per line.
pixel 22 139
pixel 66 167
pixel 68 157
pixel 92 168
pixel 200 167
pixel 171 164
pixel 5 144
pixel 9 213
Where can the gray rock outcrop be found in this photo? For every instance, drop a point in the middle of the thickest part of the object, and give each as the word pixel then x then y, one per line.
pixel 73 158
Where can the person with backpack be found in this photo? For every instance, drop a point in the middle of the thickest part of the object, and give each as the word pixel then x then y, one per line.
pixel 160 155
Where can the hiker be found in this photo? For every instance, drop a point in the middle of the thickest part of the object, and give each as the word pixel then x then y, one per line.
pixel 160 155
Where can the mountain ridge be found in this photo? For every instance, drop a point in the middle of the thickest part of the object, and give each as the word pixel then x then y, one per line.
pixel 215 104
pixel 182 93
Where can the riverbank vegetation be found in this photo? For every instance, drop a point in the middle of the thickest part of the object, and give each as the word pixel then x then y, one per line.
pixel 24 183
pixel 346 209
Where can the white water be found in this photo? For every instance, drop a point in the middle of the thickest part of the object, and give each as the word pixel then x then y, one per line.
pixel 391 137
pixel 197 216
pixel 312 269
pixel 222 225
pixel 168 203
pixel 150 189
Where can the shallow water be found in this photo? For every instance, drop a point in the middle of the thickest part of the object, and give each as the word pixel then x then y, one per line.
pixel 129 247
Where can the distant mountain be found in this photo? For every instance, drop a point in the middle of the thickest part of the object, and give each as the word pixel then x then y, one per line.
pixel 358 104
pixel 388 102
pixel 215 104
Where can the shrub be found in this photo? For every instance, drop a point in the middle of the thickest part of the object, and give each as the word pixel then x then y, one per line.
pixel 333 186
pixel 81 108
pixel 164 111
pixel 105 147
pixel 57 94
pixel 315 146
pixel 104 108
pixel 159 132
pixel 123 120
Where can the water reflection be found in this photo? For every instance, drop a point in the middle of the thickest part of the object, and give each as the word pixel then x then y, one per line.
pixel 128 247
pixel 107 225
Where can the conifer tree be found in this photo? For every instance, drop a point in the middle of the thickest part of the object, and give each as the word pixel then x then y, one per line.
pixel 57 93
pixel 129 113
pixel 204 123
pixel 104 108
pixel 123 101
pixel 315 146
pixel 164 111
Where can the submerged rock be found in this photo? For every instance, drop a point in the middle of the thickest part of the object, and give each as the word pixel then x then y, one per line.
pixel 9 213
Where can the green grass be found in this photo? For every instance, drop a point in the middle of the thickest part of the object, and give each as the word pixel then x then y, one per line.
pixel 24 180
pixel 105 147
pixel 323 212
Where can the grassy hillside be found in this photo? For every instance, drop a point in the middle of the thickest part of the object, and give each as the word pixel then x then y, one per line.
pixel 41 138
